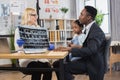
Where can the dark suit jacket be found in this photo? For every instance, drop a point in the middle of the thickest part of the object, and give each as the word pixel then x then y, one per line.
pixel 92 50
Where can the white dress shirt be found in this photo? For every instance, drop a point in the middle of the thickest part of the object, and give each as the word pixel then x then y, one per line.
pixel 87 28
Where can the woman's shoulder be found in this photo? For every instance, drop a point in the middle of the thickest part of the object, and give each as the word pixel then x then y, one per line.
pixel 16 29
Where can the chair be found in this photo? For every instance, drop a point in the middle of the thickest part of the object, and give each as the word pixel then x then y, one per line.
pixel 4 48
pixel 114 56
pixel 106 53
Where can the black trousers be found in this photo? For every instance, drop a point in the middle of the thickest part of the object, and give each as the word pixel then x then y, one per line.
pixel 77 67
pixel 36 75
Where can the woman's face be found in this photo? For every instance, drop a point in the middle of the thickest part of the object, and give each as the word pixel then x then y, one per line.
pixel 33 18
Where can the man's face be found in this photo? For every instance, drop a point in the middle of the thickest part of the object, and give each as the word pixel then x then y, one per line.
pixel 84 17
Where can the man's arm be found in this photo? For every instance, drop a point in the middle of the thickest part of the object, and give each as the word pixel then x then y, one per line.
pixel 92 44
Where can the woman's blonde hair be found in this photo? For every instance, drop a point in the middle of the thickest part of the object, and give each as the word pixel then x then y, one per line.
pixel 26 16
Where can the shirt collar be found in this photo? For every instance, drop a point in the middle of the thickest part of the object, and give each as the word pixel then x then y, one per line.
pixel 89 25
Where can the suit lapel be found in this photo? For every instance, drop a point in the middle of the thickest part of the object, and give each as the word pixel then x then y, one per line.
pixel 91 30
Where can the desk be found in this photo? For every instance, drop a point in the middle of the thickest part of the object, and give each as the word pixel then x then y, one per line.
pixel 49 55
pixel 114 57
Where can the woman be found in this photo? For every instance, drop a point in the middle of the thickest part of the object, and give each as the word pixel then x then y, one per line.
pixel 29 18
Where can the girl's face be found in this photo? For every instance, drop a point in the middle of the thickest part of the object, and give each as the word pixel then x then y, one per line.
pixel 76 28
pixel 33 18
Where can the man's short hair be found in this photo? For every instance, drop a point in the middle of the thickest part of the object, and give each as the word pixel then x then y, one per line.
pixel 92 11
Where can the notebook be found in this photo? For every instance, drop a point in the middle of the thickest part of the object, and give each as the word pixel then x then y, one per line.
pixel 36 39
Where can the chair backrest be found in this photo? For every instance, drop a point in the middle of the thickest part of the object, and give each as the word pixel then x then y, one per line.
pixel 106 53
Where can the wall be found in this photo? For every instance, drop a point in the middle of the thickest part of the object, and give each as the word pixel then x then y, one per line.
pixel 115 19
pixel 58 14
pixel 79 7
pixel 19 5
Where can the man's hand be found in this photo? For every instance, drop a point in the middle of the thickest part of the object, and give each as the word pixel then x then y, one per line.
pixel 75 46
pixel 63 49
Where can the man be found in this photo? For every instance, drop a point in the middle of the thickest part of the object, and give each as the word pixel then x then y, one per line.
pixel 91 53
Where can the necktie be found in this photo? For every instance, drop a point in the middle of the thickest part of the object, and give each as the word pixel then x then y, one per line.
pixel 85 31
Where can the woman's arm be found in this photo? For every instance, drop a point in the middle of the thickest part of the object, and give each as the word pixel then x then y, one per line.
pixel 16 37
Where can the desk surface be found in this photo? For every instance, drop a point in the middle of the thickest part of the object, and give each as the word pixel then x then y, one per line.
pixel 49 55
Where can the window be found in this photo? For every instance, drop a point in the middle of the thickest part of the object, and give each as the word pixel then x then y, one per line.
pixel 102 6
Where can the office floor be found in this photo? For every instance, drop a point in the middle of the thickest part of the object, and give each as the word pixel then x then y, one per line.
pixel 9 75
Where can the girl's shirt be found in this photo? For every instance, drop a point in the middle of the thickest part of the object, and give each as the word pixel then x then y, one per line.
pixel 78 39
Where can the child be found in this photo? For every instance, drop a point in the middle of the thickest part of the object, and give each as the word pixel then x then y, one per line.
pixel 77 39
